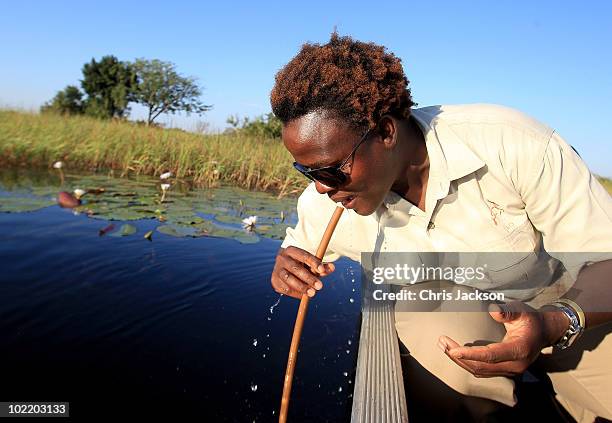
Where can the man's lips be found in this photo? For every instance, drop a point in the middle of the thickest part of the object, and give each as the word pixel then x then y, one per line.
pixel 343 199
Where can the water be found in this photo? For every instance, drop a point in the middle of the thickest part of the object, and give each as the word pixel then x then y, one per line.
pixel 119 325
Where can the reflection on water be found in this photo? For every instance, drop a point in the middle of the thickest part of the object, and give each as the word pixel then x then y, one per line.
pixel 117 324
pixel 223 212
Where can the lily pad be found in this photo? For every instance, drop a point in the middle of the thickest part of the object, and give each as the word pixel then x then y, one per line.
pixel 214 212
pixel 125 230
pixel 24 204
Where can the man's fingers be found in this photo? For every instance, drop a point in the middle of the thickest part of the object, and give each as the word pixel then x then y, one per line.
pixel 491 353
pixel 316 265
pixel 329 268
pixel 445 344
pixel 293 293
pixel 481 369
pixel 305 275
pixel 299 286
pixel 285 288
pixel 292 276
pixel 460 363
pixel 485 361
pixel 305 257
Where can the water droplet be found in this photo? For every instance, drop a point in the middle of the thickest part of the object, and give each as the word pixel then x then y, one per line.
pixel 253 387
pixel 348 351
pixel 254 342
pixel 177 369
pixel 263 355
pixel 267 335
pixel 352 300
pixel 340 389
pixel 349 342
pixel 275 304
pixel 345 373
pixel 269 318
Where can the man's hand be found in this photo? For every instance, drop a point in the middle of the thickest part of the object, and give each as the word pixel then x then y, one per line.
pixel 296 270
pixel 527 331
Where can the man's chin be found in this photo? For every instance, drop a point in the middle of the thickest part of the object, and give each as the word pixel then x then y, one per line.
pixel 364 207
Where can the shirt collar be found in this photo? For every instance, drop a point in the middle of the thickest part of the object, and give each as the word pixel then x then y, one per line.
pixel 449 157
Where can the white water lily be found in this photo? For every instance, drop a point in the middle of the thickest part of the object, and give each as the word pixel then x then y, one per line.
pixel 165 175
pixel 165 188
pixel 78 193
pixel 58 165
pixel 249 222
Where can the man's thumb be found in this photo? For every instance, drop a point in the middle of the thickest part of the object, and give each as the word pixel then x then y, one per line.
pixel 502 313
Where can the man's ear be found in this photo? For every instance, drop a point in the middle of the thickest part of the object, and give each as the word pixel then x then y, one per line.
pixel 387 128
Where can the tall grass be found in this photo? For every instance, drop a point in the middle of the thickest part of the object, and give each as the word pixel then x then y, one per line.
pixel 28 139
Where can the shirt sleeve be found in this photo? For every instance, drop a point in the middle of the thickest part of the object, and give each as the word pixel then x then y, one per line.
pixel 309 229
pixel 567 204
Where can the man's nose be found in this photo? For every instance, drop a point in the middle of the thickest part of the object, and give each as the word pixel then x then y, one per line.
pixel 322 188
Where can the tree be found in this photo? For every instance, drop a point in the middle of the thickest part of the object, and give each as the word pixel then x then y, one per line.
pixel 162 90
pixel 68 101
pixel 109 85
pixel 264 126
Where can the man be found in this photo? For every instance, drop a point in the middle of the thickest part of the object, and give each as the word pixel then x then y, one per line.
pixel 470 178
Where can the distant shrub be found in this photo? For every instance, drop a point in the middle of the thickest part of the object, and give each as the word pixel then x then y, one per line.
pixel 264 126
pixel 68 101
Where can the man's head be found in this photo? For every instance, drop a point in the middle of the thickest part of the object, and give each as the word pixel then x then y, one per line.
pixel 329 96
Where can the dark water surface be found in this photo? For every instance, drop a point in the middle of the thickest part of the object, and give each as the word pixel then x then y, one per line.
pixel 179 325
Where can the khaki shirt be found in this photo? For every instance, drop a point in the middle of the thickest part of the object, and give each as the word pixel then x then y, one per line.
pixel 499 180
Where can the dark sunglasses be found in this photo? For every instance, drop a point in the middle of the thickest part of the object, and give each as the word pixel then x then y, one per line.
pixel 332 176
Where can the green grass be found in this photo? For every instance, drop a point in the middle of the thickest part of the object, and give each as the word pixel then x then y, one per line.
pixel 607 183
pixel 34 140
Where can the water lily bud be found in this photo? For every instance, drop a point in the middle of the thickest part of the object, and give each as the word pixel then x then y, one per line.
pixel 78 193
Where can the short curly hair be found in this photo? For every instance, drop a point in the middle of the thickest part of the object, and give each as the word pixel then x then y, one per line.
pixel 356 81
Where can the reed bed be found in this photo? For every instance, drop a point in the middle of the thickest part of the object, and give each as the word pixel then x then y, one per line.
pixel 39 140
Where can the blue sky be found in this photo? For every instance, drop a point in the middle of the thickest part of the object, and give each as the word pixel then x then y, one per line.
pixel 550 59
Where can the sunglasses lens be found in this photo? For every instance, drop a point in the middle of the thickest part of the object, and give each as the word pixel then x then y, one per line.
pixel 331 177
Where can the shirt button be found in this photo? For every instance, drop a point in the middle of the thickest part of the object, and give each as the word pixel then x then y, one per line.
pixel 431 226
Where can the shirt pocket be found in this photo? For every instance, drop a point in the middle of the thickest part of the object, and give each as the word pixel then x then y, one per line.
pixel 511 258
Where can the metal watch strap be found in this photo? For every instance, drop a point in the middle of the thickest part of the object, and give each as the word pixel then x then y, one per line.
pixel 577 309
pixel 573 331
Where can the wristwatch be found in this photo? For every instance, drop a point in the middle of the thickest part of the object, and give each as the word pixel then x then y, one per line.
pixel 577 321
